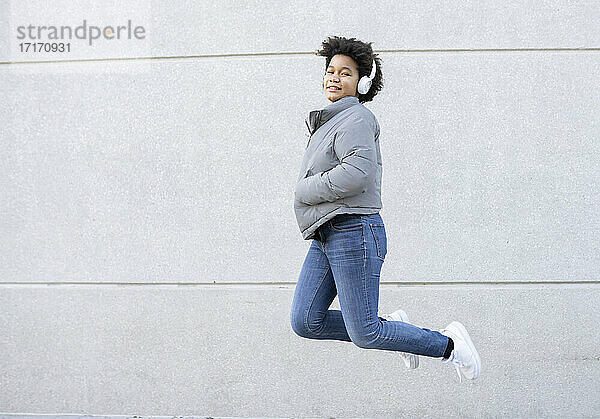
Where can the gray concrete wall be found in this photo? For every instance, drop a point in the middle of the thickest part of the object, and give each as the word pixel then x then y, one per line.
pixel 149 249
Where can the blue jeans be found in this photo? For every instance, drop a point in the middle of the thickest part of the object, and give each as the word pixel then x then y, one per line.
pixel 346 260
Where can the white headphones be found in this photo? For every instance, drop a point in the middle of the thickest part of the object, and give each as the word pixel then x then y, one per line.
pixel 364 84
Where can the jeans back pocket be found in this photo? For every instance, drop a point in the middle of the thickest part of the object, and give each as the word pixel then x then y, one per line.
pixel 380 238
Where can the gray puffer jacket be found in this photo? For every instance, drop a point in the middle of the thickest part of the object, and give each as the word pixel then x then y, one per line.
pixel 341 170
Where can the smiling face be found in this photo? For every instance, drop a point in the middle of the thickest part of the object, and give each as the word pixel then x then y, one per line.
pixel 341 78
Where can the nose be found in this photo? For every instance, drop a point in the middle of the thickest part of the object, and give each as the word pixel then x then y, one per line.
pixel 333 77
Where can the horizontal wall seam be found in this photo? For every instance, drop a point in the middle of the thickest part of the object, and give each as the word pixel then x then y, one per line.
pixel 266 54
pixel 289 283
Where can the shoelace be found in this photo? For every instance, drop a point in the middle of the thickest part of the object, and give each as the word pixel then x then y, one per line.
pixel 458 365
pixel 458 370
pixel 407 356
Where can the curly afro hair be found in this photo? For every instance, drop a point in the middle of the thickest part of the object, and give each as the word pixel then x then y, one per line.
pixel 362 54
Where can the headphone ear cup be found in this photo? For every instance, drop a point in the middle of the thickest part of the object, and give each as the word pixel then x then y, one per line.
pixel 364 84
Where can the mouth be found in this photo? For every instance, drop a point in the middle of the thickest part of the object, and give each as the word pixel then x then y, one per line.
pixel 333 88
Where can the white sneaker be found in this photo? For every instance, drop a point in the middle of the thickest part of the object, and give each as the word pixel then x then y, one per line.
pixel 464 356
pixel 410 360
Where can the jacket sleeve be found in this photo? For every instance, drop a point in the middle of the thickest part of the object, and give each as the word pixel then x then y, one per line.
pixel 354 146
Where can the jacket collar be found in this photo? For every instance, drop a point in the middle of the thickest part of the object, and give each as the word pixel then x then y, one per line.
pixel 317 118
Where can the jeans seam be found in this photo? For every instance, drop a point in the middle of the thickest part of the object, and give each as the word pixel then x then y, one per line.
pixel 312 301
pixel 364 273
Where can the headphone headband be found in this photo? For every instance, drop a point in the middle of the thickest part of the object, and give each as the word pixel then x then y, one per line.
pixel 373 70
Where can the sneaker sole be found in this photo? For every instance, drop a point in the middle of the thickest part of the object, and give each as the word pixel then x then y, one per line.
pixel 413 360
pixel 467 339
